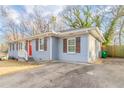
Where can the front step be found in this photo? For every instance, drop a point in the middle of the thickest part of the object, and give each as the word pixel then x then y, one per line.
pixel 30 59
pixel 20 59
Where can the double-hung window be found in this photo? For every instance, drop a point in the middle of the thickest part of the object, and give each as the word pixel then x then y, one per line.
pixel 13 47
pixel 41 44
pixel 20 46
pixel 71 45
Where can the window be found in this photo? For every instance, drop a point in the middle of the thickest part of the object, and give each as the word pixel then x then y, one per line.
pixel 41 44
pixel 17 46
pixel 13 47
pixel 10 46
pixel 20 46
pixel 71 45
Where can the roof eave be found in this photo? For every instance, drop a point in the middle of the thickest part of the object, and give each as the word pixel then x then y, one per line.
pixel 66 34
pixel 71 34
pixel 100 33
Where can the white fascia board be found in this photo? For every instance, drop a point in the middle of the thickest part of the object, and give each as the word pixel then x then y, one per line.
pixel 76 32
pixel 100 33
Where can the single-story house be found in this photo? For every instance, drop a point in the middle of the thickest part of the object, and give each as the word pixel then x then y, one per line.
pixel 79 45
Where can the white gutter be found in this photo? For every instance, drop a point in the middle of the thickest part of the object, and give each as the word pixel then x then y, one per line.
pixel 74 33
pixel 65 34
pixel 99 32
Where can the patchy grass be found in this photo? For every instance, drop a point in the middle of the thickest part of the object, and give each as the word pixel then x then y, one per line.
pixel 11 66
pixel 99 61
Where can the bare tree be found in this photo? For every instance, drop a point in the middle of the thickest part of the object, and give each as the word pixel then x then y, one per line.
pixel 38 22
pixel 116 15
pixel 9 28
pixel 34 24
pixel 121 30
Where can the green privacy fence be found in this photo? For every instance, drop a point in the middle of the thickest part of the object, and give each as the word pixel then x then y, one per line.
pixel 114 50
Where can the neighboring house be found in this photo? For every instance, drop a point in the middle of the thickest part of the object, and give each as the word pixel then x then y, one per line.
pixel 79 45
pixel 3 51
pixel 3 56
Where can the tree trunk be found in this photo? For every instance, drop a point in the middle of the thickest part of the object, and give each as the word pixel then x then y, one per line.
pixel 120 33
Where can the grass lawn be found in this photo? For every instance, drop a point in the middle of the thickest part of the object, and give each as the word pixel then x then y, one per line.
pixel 12 66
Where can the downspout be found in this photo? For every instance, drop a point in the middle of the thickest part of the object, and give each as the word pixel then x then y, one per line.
pixel 50 47
pixel 52 30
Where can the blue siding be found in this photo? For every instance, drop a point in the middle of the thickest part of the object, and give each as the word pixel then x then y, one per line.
pixel 82 56
pixel 13 53
pixel 41 55
pixel 55 51
pixel 45 55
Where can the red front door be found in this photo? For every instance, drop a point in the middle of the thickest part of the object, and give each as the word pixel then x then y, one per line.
pixel 30 49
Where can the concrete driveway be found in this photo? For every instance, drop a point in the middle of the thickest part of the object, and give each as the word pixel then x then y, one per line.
pixel 68 75
pixel 12 66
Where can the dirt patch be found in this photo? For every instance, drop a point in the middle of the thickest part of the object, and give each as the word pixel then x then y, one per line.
pixel 12 66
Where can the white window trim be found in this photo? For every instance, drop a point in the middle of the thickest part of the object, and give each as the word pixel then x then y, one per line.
pixel 20 46
pixel 39 44
pixel 68 45
pixel 13 48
